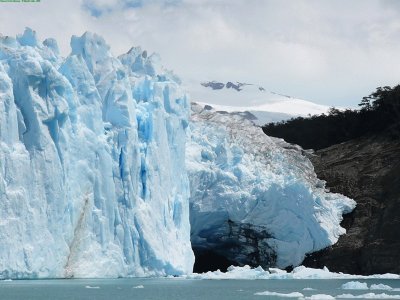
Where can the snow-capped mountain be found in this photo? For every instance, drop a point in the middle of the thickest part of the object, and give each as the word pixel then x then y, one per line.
pixel 252 101
pixel 95 154
pixel 255 199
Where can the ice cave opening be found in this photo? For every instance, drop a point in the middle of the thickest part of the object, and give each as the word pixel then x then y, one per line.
pixel 230 243
pixel 208 260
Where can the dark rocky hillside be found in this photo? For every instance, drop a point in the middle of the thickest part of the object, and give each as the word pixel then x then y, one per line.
pixel 368 170
pixel 358 154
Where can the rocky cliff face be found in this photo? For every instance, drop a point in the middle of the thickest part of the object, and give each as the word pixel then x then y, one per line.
pixel 368 171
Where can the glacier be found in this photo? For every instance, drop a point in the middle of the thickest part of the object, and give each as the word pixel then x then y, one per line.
pixel 92 169
pixel 255 200
pixel 106 170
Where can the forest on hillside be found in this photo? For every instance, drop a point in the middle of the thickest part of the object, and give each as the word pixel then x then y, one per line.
pixel 379 114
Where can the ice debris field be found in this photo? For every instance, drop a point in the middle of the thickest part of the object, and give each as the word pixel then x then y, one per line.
pixel 107 171
pixel 299 272
pixel 353 289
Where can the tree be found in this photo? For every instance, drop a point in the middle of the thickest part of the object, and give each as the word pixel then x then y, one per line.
pixel 365 103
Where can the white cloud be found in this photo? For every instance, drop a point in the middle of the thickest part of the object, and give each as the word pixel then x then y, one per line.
pixel 331 52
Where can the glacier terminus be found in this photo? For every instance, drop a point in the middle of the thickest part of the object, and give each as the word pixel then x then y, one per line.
pixel 92 174
pixel 256 200
pixel 106 170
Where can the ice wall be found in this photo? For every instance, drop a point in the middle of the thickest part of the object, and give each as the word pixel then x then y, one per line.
pixel 92 169
pixel 254 199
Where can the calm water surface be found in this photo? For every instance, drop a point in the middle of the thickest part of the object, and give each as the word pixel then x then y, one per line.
pixel 170 289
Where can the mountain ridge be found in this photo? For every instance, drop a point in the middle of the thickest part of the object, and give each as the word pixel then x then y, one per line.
pixel 248 98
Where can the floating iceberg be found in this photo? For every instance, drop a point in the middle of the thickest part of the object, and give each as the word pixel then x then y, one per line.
pixel 138 287
pixel 283 295
pixel 355 285
pixel 381 286
pixel 92 170
pixel 368 296
pixel 300 272
pixel 320 297
pixel 296 295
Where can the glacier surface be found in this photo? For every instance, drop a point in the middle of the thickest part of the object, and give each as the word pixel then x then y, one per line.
pixel 92 169
pixel 255 199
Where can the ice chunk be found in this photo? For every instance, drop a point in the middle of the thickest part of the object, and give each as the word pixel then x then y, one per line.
pixel 368 296
pixel 381 286
pixel 355 285
pixel 300 272
pixel 297 295
pixel 138 287
pixel 283 295
pixel 320 297
pixel 233 273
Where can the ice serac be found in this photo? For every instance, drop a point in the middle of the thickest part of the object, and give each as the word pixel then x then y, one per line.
pixel 255 199
pixel 92 170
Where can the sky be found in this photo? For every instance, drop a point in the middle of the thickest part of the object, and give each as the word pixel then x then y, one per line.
pixel 329 52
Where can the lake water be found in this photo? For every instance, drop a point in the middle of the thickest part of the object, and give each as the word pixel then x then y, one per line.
pixel 170 289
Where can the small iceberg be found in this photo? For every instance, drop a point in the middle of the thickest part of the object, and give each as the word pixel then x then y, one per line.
pixel 355 285
pixel 300 272
pixel 320 297
pixel 91 287
pixel 368 296
pixel 289 295
pixel 381 286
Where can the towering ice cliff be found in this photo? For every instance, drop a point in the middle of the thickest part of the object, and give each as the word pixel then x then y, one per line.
pixel 254 199
pixel 92 169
